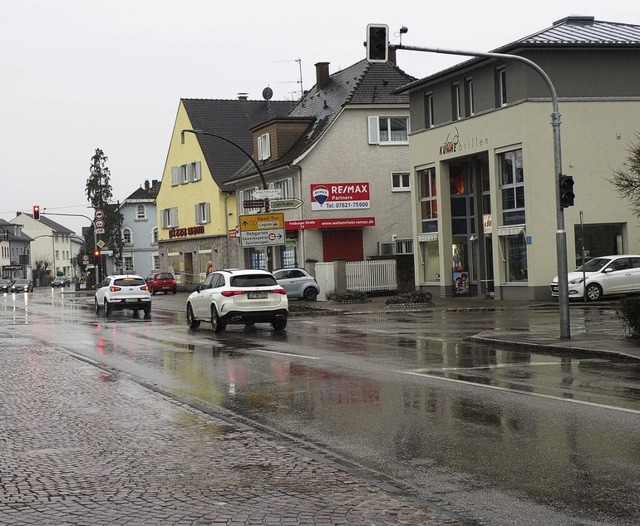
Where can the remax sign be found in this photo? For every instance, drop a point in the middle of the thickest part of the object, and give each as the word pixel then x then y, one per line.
pixel 340 196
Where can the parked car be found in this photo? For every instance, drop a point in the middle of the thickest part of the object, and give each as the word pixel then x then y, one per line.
pixel 298 283
pixel 161 282
pixel 61 281
pixel 21 285
pixel 603 276
pixel 119 292
pixel 239 297
pixel 5 285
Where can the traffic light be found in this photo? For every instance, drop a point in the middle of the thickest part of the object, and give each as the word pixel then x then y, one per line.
pixel 96 254
pixel 377 43
pixel 566 191
pixel 36 212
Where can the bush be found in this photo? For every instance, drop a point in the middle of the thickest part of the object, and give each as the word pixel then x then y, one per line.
pixel 417 296
pixel 628 311
pixel 349 296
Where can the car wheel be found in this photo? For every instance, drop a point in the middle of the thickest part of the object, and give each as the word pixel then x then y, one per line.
pixel 593 292
pixel 279 325
pixel 97 306
pixel 107 308
pixel 174 291
pixel 153 292
pixel 310 294
pixel 216 324
pixel 147 311
pixel 191 320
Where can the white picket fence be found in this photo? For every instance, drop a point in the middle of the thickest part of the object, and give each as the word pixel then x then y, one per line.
pixel 360 275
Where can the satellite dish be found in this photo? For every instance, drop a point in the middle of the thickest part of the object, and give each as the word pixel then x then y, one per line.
pixel 267 93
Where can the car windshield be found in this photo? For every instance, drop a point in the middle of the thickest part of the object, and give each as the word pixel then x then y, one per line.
pixel 128 282
pixel 164 276
pixel 253 280
pixel 594 265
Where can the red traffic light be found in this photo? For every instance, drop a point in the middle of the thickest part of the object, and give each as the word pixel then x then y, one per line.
pixel 36 211
pixel 96 253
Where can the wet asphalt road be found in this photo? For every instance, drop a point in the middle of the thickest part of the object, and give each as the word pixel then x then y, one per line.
pixel 493 436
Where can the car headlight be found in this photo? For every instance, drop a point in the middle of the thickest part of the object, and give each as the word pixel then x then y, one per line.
pixel 575 281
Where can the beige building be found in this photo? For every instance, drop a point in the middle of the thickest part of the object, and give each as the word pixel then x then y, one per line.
pixel 482 160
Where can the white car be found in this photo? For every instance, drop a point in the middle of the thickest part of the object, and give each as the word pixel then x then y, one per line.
pixel 239 297
pixel 298 282
pixel 603 276
pixel 121 292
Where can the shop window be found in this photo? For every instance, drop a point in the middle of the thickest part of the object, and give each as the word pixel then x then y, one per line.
pixel 512 187
pixel 428 200
pixel 515 258
pixel 430 260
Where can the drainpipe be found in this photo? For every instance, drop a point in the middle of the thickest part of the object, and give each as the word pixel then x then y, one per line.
pixel 301 262
pixel 226 226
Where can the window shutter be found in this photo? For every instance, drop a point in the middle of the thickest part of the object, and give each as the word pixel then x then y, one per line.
pixel 198 175
pixel 175 175
pixel 173 213
pixel 374 130
pixel 198 218
pixel 207 209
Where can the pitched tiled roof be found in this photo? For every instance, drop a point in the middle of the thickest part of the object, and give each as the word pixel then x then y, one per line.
pixel 570 32
pixel 56 227
pixel 232 119
pixel 143 193
pixel 361 83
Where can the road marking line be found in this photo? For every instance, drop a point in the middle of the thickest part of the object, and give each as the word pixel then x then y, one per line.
pixel 515 391
pixel 494 366
pixel 290 355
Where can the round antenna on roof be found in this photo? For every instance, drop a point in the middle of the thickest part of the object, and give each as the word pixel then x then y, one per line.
pixel 267 93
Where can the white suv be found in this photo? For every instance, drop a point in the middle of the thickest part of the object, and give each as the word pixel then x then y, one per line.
pixel 238 296
pixel 121 292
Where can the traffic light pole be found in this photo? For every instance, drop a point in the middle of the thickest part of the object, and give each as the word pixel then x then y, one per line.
pixel 561 234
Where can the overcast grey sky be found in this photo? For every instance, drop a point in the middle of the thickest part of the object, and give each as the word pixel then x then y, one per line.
pixel 77 75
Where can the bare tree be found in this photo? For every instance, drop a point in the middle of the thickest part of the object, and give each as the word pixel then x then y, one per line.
pixel 628 182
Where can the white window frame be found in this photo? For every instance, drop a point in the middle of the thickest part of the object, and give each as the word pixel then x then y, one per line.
pixel 203 213
pixel 264 147
pixel 455 102
pixel 139 215
pixel 195 171
pixel 430 120
pixel 247 195
pixel 376 133
pixel 502 86
pixel 403 180
pixel 285 186
pixel 184 174
pixel 468 93
pixel 127 236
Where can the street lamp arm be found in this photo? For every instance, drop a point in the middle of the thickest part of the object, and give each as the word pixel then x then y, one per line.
pixel 247 154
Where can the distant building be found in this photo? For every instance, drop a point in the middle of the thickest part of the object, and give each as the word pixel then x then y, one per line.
pixel 14 251
pixel 140 230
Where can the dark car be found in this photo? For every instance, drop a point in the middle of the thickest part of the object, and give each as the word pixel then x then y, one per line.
pixel 61 281
pixel 22 285
pixel 161 282
pixel 5 285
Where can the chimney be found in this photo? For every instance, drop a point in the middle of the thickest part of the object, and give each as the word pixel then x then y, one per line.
pixel 322 74
pixel 243 96
pixel 146 185
pixel 392 55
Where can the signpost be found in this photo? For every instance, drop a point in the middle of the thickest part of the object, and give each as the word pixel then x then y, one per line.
pixel 285 204
pixel 259 230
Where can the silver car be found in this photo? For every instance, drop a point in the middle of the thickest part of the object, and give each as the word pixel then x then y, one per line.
pixel 298 283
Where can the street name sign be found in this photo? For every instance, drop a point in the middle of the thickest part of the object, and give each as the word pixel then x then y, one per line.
pixel 268 193
pixel 285 204
pixel 258 230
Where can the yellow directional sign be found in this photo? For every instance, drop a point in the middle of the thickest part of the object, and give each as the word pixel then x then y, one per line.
pixel 262 229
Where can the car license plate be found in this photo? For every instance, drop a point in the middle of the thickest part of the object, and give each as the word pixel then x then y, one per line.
pixel 257 295
pixel 131 300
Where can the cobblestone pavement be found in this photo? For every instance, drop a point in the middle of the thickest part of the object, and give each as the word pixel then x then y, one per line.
pixel 81 446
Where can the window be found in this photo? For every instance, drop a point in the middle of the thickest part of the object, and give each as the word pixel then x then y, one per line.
pixel 501 81
pixel 429 119
pixel 456 113
pixel 264 147
pixel 285 186
pixel 388 130
pixel 126 236
pixel 428 200
pixel 468 94
pixel 169 217
pixel 203 215
pixel 400 182
pixel 186 173
pixel 195 173
pixel 154 235
pixel 141 212
pixel 512 187
pixel 128 264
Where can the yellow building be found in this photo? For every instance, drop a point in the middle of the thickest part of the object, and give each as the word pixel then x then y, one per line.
pixel 196 207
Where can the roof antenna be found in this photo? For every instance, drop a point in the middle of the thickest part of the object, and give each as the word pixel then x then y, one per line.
pixel 299 81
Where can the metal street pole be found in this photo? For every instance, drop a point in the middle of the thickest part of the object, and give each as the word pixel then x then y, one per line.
pixel 561 234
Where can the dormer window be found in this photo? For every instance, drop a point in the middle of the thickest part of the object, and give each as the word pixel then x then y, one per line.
pixel 264 147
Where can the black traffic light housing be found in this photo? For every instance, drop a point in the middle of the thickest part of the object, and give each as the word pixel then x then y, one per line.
pixel 36 212
pixel 377 43
pixel 96 254
pixel 567 196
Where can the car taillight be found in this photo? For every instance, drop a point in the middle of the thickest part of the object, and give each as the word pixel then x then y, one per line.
pixel 229 293
pixel 114 289
pixel 279 291
pixel 144 287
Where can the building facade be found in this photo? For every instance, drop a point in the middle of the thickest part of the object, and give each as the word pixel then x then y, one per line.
pixel 337 168
pixel 196 206
pixel 482 160
pixel 140 230
pixel 14 251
